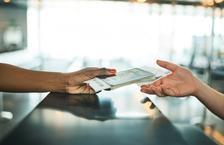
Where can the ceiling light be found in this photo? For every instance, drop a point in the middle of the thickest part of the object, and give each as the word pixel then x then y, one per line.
pixel 6 1
pixel 141 1
pixel 218 1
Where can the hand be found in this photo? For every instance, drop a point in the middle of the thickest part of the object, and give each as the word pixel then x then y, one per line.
pixel 180 82
pixel 76 80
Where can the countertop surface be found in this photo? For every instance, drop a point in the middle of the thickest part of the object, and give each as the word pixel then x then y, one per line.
pixel 122 116
pixel 15 107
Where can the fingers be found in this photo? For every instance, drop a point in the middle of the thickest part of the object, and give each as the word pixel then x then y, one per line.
pixel 147 89
pixel 167 65
pixel 151 89
pixel 157 82
pixel 104 72
pixel 158 91
pixel 80 89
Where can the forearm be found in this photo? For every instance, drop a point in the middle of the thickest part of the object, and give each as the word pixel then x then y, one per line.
pixel 15 79
pixel 211 98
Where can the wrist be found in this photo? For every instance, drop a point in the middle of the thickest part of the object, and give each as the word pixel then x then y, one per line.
pixel 60 83
pixel 66 81
pixel 199 87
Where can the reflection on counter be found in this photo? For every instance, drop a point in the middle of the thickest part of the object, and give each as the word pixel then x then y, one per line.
pixel 97 107
pixel 85 106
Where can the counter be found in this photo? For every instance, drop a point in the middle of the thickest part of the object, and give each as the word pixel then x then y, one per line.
pixel 123 116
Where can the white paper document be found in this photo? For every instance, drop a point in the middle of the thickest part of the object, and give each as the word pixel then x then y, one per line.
pixel 123 78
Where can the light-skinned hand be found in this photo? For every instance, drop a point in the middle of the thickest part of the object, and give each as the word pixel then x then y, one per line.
pixel 180 82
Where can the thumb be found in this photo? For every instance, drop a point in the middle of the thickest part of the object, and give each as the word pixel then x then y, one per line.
pixel 167 65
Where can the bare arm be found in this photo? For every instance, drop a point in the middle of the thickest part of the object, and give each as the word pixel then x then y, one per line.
pixel 180 83
pixel 15 79
pixel 211 98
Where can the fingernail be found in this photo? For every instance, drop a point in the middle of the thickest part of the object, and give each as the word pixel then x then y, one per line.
pixel 112 71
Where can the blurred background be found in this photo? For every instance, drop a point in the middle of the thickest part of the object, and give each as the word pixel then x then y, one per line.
pixel 67 35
